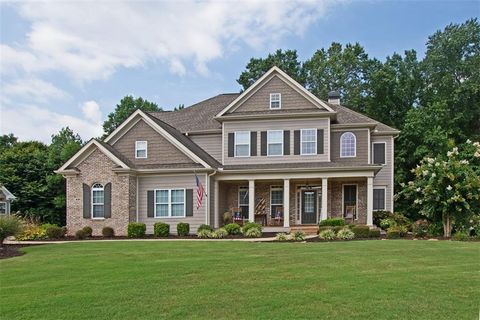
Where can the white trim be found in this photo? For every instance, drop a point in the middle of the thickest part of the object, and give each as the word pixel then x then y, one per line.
pixel 392 186
pixel 242 144
pixel 279 101
pixel 251 200
pixel 223 143
pixel 169 203
pixel 301 142
pixel 356 199
pixel 369 201
pixel 369 155
pixel 286 203
pixel 263 175
pixel 384 188
pixel 329 149
pixel 97 204
pixel 137 149
pixel 5 213
pixel 268 143
pixel 287 79
pixel 355 145
pixel 385 153
pixel 136 200
pixel 324 207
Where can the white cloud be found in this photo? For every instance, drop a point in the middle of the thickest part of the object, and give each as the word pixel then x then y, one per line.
pixel 32 89
pixel 89 41
pixel 91 111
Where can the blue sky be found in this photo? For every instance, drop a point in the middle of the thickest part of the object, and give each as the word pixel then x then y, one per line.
pixel 69 63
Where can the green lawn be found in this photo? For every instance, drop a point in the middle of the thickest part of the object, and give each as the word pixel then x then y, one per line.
pixel 393 279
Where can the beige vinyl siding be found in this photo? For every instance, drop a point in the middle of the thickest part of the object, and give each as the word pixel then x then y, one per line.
pixel 384 177
pixel 186 181
pixel 159 149
pixel 260 100
pixel 211 143
pixel 362 146
pixel 265 125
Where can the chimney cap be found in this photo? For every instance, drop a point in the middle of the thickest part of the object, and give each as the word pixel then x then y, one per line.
pixel 334 94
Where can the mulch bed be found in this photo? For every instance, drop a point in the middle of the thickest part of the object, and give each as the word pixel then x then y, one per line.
pixel 11 250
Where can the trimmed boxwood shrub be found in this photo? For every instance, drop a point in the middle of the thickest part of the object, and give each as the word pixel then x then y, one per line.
pixel 88 231
pixel 183 229
pixel 108 232
pixel 55 232
pixel 136 230
pixel 80 234
pixel 460 236
pixel 393 234
pixel 161 229
pixel 361 231
pixel 332 222
pixel 204 227
pixel 374 233
pixel 232 228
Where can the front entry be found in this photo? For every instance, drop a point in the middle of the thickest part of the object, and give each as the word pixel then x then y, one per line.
pixel 309 206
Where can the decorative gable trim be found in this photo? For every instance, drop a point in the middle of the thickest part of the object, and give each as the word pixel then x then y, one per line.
pixel 274 71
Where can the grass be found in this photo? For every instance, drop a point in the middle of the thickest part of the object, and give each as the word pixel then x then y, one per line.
pixel 393 279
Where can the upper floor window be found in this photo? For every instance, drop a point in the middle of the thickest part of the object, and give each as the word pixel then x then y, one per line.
pixel 140 149
pixel 98 201
pixel 3 208
pixel 308 140
pixel 348 145
pixel 275 100
pixel 379 153
pixel 275 142
pixel 169 203
pixel 242 144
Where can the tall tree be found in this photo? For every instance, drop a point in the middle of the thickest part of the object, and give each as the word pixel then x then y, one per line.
pixel 124 109
pixel 7 141
pixel 286 60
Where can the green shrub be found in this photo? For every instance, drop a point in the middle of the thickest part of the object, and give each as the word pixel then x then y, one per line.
pixel 232 228
pixel 183 229
pixel 80 234
pixel 298 236
pixel 9 226
pixel 31 231
pixel 88 231
pixel 251 225
pixel 108 232
pixel 328 235
pixel 205 233
pixel 220 233
pixel 136 230
pixel 402 230
pixel 435 229
pixel 55 232
pixel 393 234
pixel 45 226
pixel 204 227
pixel 387 223
pixel 374 233
pixel 323 228
pixel 460 236
pixel 161 229
pixel 345 234
pixel 361 231
pixel 227 217
pixel 281 236
pixel 332 222
pixel 253 232
pixel 420 228
pixel 380 215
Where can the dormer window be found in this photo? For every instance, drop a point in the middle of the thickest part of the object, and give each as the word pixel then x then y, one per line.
pixel 275 101
pixel 140 149
pixel 348 145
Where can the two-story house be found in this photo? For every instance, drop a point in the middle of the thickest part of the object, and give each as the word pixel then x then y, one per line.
pixel 275 154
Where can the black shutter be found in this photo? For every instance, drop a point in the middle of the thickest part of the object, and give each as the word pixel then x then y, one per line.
pixel 150 203
pixel 107 204
pixel 286 142
pixel 231 144
pixel 189 202
pixel 379 153
pixel 263 143
pixel 320 141
pixel 296 142
pixel 86 201
pixel 253 143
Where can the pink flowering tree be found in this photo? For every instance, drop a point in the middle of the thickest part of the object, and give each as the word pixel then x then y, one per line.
pixel 447 188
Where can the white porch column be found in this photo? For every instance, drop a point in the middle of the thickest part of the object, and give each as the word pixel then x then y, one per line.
pixel 251 200
pixel 323 212
pixel 216 192
pixel 286 203
pixel 370 201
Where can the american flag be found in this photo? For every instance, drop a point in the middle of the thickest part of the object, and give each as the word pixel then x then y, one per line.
pixel 200 192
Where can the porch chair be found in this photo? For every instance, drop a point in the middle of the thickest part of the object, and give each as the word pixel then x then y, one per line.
pixel 260 213
pixel 350 213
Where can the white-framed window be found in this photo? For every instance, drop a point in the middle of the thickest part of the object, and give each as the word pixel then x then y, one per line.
pixel 98 201
pixel 242 144
pixel 275 143
pixel 276 201
pixel 3 207
pixel 141 149
pixel 243 201
pixel 275 101
pixel 308 141
pixel 169 203
pixel 379 198
pixel 379 152
pixel 348 145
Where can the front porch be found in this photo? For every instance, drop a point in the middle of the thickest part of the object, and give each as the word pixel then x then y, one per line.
pixel 279 204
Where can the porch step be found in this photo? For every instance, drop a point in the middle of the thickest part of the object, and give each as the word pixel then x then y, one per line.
pixel 308 229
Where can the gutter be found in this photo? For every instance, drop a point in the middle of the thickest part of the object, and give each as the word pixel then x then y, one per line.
pixel 329 169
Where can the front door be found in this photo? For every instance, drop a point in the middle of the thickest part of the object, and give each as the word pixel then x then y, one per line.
pixel 309 206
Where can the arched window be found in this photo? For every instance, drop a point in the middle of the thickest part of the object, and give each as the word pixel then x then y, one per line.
pixel 98 201
pixel 348 145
